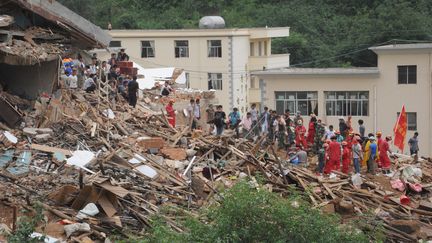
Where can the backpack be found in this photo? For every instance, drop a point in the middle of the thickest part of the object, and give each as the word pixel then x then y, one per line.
pixel 165 91
pixel 218 119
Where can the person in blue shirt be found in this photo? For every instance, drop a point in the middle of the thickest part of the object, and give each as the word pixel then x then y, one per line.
pixel 373 149
pixel 234 120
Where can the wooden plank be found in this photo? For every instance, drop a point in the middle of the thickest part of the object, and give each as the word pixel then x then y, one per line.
pixel 49 149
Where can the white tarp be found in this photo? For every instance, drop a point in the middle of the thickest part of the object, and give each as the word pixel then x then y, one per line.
pixel 153 75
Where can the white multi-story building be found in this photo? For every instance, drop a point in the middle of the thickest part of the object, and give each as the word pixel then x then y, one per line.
pixel 376 95
pixel 219 59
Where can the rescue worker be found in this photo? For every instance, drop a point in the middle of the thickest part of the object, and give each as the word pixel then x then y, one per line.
pixel 379 142
pixel 300 132
pixel 311 130
pixel 171 113
pixel 384 158
pixel 366 149
pixel 319 136
pixel 334 156
pixel 345 157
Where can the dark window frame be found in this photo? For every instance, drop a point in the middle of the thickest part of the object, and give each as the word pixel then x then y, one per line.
pixel 347 105
pixel 215 83
pixel 181 51
pixel 115 43
pixel 304 101
pixel 148 51
pixel 214 50
pixel 407 74
pixel 411 120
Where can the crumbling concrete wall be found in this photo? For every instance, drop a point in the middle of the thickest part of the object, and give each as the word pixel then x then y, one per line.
pixel 29 81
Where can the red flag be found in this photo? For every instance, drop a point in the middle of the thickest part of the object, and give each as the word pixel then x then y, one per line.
pixel 400 130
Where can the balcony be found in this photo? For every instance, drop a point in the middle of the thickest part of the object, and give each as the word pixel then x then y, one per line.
pixel 269 62
pixel 254 95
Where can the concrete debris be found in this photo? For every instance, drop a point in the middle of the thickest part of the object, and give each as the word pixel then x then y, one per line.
pixel 117 175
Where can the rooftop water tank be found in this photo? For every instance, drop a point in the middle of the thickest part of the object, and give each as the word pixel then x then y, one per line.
pixel 212 22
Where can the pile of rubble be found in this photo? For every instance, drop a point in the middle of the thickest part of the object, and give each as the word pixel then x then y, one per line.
pixel 98 168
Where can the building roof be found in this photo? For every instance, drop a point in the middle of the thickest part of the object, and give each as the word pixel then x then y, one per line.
pixel 252 32
pixel 320 71
pixel 82 30
pixel 403 47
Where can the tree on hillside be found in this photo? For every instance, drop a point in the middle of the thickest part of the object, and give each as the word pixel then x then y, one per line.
pixel 323 32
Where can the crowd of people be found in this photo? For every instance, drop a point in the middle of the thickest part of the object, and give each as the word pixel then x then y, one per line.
pixel 344 149
pixel 79 74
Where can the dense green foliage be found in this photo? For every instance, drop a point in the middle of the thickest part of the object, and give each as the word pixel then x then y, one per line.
pixel 26 226
pixel 250 215
pixel 323 32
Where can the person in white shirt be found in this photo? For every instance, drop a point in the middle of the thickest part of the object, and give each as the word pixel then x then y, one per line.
pixel 166 89
pixel 329 133
pixel 94 67
pixel 246 123
pixel 72 80
pixel 89 84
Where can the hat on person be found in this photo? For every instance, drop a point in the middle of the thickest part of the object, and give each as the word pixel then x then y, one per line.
pixel 299 122
pixel 341 118
pixel 371 138
pixel 388 138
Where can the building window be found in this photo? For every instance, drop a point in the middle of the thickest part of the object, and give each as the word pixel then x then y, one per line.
pixel 347 103
pixel 187 77
pixel 115 44
pixel 147 49
pixel 411 120
pixel 214 48
pixel 215 81
pixel 181 48
pixel 265 48
pixel 252 49
pixel 407 74
pixel 304 101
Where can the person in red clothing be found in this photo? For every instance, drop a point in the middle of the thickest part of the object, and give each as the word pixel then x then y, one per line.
pixel 171 113
pixel 334 156
pixel 384 158
pixel 311 130
pixel 379 142
pixel 346 157
pixel 300 131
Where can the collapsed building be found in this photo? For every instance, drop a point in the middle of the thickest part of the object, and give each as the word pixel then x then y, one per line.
pixel 34 35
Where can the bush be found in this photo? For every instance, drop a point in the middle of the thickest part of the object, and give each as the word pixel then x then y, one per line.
pixel 26 226
pixel 250 215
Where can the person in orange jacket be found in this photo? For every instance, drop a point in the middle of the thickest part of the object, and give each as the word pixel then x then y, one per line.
pixel 334 156
pixel 346 158
pixel 384 158
pixel 171 113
